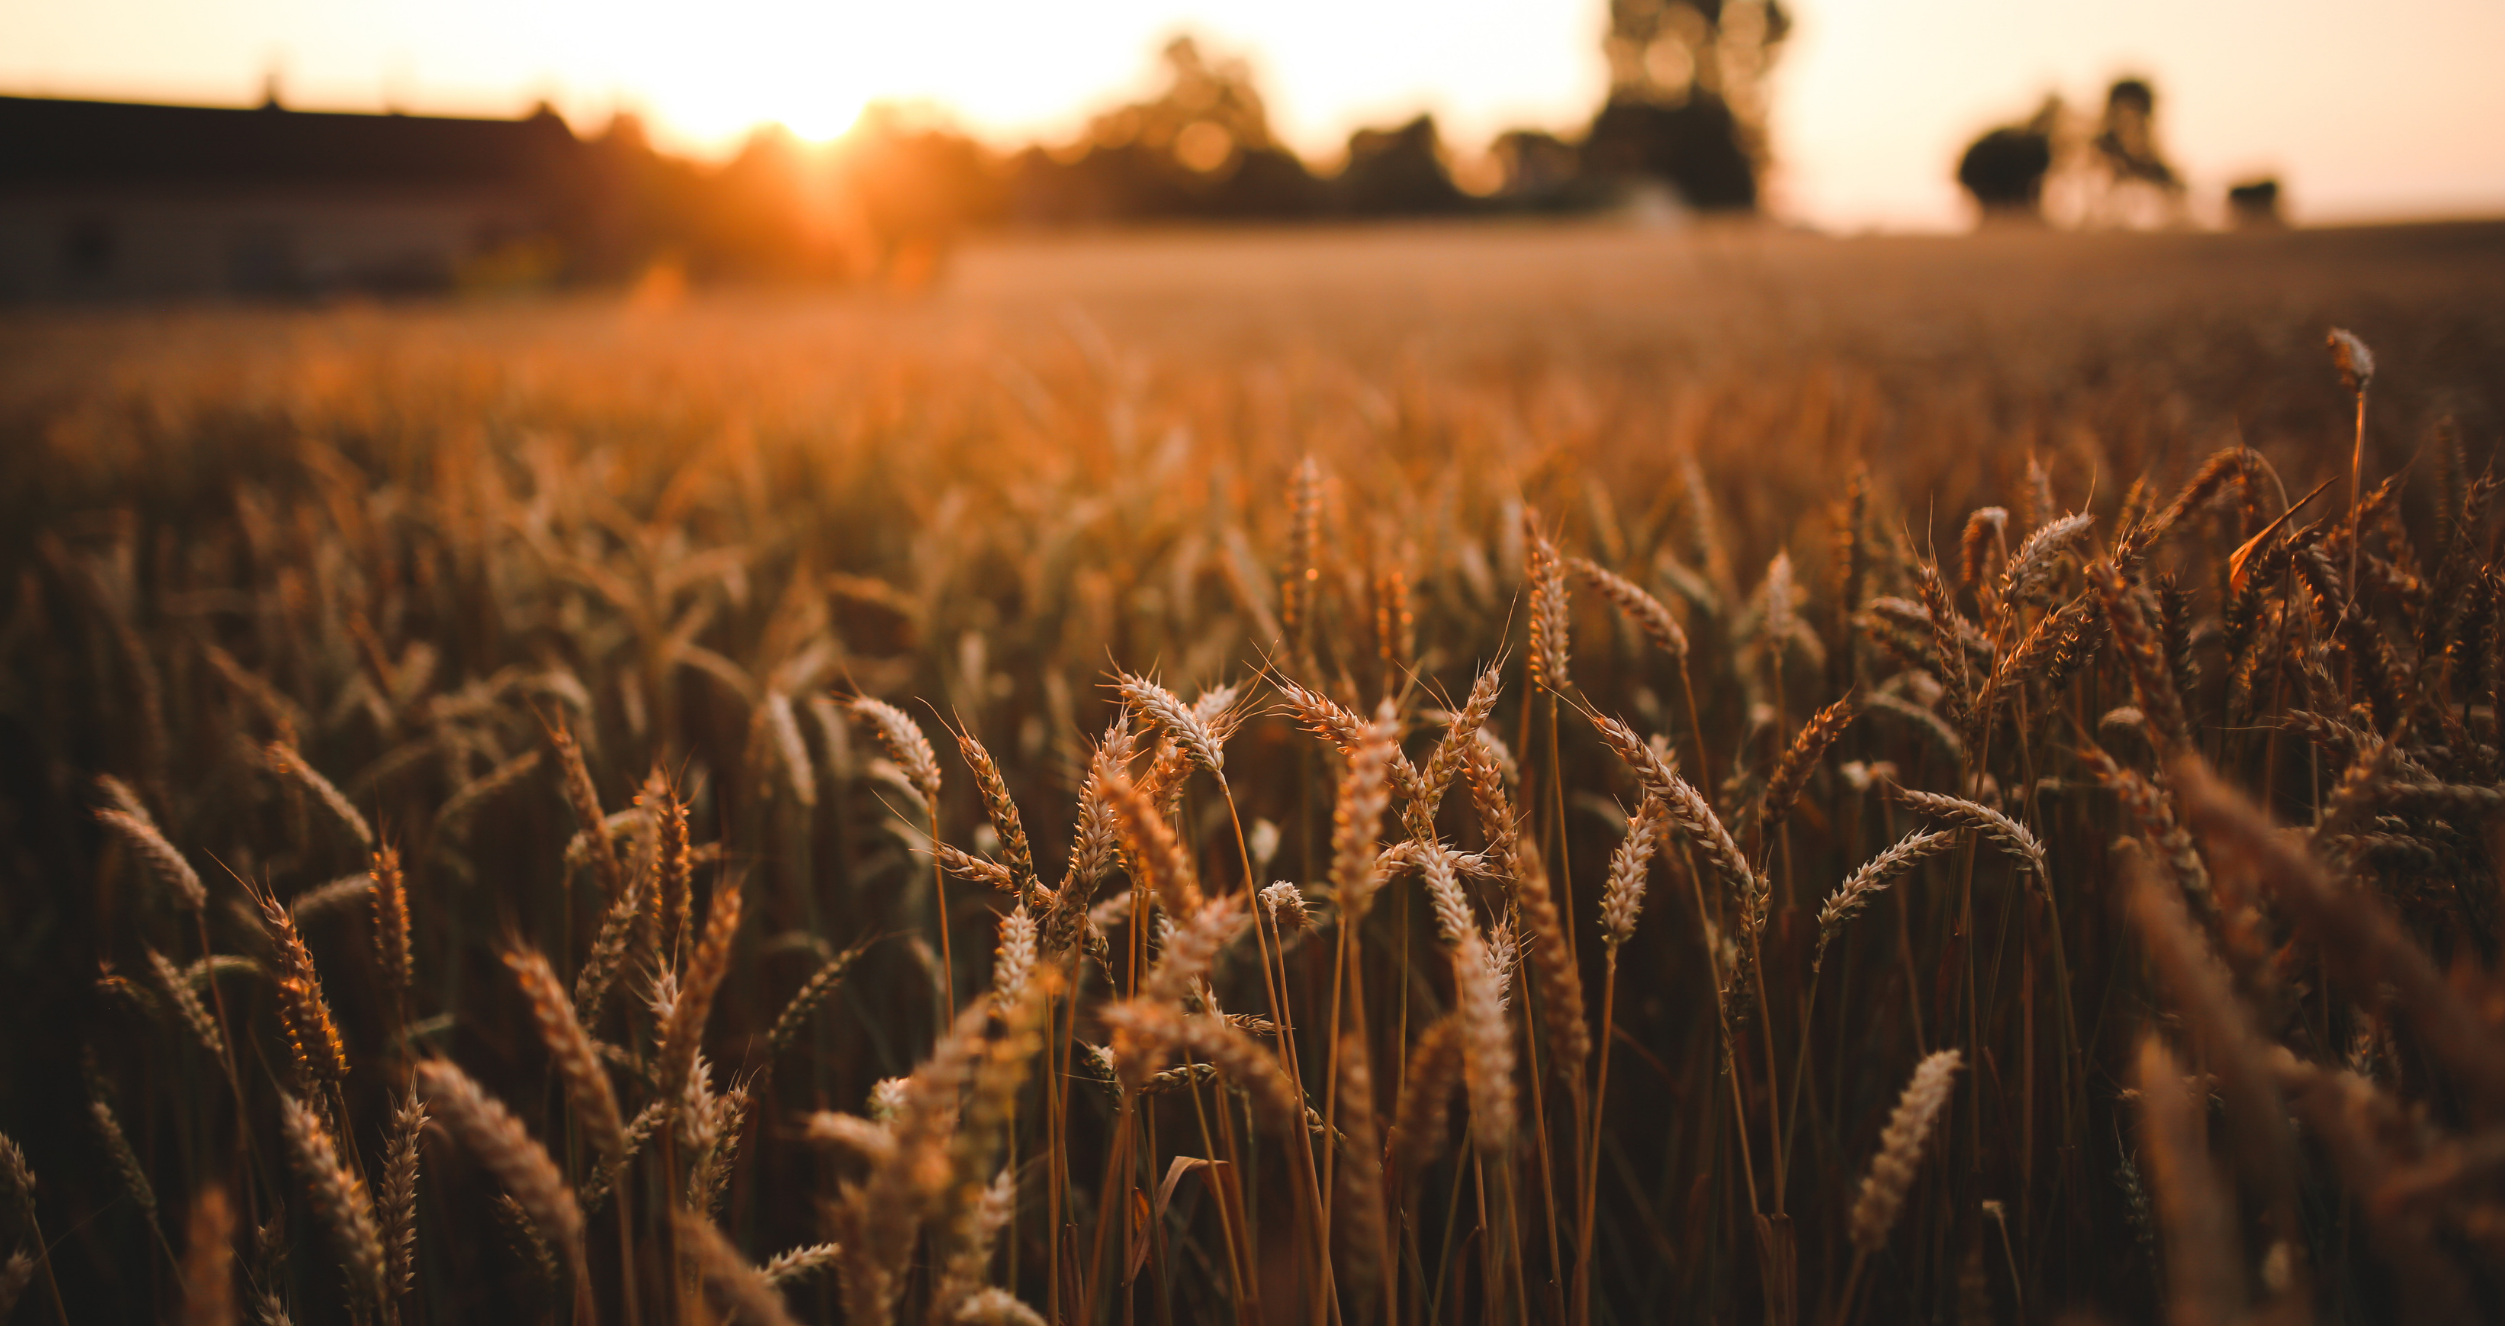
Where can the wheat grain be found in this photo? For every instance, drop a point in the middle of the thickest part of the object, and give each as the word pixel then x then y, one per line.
pixel 1486 1042
pixel 1162 869
pixel 1357 818
pixel 684 1028
pixel 1900 1150
pixel 1630 866
pixel 2012 837
pixel 391 921
pixel 285 761
pixel 500 1143
pixel 2203 1268
pixel 311 1032
pixel 187 1006
pixel 339 1202
pixel 904 744
pixel 1870 880
pixel 1016 856
pixel 208 1263
pixel 804 1001
pixel 583 797
pixel 1800 759
pixel 1286 902
pixel 799 1262
pixel 1640 607
pixel 587 1086
pixel 397 1206
pixel 129 818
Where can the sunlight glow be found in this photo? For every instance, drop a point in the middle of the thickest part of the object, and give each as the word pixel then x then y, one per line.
pixel 2381 111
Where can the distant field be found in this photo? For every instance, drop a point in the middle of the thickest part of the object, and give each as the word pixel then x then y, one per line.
pixel 1801 779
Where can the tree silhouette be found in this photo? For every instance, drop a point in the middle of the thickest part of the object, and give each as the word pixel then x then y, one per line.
pixel 1688 96
pixel 2004 170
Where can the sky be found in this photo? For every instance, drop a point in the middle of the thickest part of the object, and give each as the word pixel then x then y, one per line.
pixel 2367 111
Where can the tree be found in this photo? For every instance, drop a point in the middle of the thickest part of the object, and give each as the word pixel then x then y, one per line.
pixel 1688 96
pixel 2004 170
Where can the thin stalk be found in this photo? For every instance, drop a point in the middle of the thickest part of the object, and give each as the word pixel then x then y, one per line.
pixel 947 958
pixel 1591 1164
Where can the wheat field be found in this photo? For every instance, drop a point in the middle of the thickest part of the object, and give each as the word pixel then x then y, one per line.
pixel 1419 775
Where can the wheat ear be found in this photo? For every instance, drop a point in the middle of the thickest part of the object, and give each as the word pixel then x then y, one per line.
pixel 339 1201
pixel 129 818
pixel 751 1297
pixel 398 1207
pixel 706 967
pixel 586 1081
pixel 500 1143
pixel 1900 1150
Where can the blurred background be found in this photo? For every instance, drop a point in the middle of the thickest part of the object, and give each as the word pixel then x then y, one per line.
pixel 286 148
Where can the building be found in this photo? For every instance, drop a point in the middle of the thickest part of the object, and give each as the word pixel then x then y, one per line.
pixel 108 201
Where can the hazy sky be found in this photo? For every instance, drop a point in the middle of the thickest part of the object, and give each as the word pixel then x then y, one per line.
pixel 2392 108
